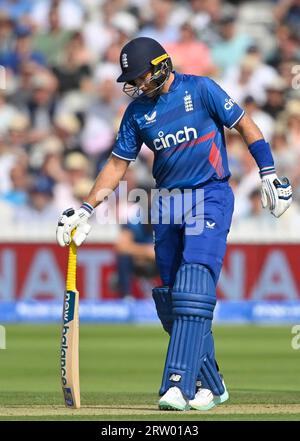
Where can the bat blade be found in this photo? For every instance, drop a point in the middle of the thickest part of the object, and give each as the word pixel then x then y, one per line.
pixel 69 355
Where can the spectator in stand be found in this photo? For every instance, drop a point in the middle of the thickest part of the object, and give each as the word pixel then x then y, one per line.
pixel 81 190
pixel 51 42
pixel 24 87
pixel 286 158
pixel 288 12
pixel 12 150
pixel 275 97
pixel 7 34
pixel 17 195
pixel 256 209
pixel 98 30
pixel 190 55
pixel 287 46
pixel 66 126
pixel 74 68
pixel 286 70
pixel 22 52
pixel 206 15
pixel 159 28
pixel 17 134
pixel 40 208
pixel 71 13
pixel 17 10
pixel 7 112
pixel 251 77
pixel 77 167
pixel 232 47
pixel 99 132
pixel 41 106
pixel 125 27
pixel 261 118
pixel 46 158
pixel 291 119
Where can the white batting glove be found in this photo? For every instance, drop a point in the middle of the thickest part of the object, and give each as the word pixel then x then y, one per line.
pixel 74 219
pixel 276 194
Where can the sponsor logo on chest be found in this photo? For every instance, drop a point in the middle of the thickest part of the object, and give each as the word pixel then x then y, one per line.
pixel 172 139
pixel 151 118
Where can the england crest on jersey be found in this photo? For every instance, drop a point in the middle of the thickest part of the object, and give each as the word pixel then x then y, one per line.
pixel 188 103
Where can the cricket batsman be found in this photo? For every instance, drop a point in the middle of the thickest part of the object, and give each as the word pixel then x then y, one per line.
pixel 181 118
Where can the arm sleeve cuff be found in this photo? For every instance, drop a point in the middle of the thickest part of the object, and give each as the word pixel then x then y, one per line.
pixel 261 152
pixel 237 120
pixel 123 155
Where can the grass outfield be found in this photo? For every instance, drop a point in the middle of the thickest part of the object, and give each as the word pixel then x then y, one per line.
pixel 121 369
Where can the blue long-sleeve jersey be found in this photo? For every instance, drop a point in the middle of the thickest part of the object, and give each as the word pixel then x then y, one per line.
pixel 185 130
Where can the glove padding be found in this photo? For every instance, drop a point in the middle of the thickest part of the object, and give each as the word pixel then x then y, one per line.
pixel 70 220
pixel 276 194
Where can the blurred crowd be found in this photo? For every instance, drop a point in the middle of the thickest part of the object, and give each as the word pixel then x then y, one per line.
pixel 60 105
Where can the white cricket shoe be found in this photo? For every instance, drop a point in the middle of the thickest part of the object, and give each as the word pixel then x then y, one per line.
pixel 205 400
pixel 173 400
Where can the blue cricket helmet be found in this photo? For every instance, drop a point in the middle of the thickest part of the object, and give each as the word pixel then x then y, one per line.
pixel 142 55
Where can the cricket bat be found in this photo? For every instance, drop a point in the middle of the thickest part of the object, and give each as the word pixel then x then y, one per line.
pixel 69 353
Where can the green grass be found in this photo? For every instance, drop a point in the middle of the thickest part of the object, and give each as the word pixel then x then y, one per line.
pixel 121 367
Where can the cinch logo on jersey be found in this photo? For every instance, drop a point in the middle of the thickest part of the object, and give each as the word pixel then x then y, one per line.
pixel 170 140
pixel 229 103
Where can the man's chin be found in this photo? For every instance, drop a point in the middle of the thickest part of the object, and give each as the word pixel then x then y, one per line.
pixel 152 93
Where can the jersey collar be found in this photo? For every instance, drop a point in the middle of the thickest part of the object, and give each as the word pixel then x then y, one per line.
pixel 176 82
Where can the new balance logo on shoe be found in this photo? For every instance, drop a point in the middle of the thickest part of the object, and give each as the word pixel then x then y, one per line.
pixel 175 377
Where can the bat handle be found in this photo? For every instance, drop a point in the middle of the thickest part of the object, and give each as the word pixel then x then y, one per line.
pixel 72 261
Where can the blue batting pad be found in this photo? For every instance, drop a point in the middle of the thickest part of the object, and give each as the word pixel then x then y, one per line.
pixel 162 297
pixel 211 376
pixel 194 299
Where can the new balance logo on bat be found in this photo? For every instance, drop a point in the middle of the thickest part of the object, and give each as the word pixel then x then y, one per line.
pixel 69 305
pixel 63 355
